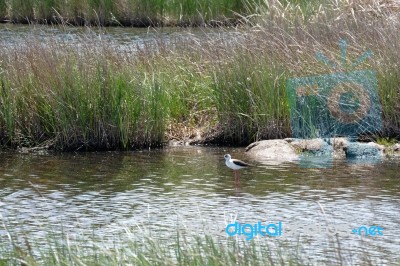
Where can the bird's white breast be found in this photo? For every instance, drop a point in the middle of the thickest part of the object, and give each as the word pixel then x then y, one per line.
pixel 233 166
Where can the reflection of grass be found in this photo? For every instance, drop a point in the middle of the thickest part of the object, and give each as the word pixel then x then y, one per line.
pixel 230 86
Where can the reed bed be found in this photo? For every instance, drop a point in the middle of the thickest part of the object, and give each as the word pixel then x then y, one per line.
pixel 202 250
pixel 228 86
pixel 126 12
pixel 142 248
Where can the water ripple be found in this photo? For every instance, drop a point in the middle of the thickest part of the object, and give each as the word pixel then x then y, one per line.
pixel 159 191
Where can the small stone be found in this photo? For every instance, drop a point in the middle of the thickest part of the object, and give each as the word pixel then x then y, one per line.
pixel 363 150
pixel 396 147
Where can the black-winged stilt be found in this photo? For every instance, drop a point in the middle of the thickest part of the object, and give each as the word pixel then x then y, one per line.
pixel 235 164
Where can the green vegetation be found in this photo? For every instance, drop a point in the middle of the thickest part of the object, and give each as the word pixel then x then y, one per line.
pixel 135 248
pixel 386 141
pixel 126 12
pixel 229 86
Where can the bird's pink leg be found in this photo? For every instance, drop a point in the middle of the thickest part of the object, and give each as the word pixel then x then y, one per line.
pixel 236 176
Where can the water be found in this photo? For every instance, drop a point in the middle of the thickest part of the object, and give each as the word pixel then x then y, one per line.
pixel 190 187
pixel 125 39
pixel 14 34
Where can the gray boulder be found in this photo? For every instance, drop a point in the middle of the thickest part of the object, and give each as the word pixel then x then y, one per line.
pixel 312 146
pixel 272 150
pixel 290 149
pixel 364 150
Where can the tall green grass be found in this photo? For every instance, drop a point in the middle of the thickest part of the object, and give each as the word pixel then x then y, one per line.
pixel 229 89
pixel 126 12
pixel 250 101
pixel 3 10
pixel 81 100
pixel 141 248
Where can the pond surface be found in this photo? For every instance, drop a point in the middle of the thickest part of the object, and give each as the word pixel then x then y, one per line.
pixel 190 187
pixel 120 37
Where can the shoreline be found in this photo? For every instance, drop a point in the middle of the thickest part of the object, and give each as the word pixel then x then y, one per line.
pixel 286 149
pixel 223 23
